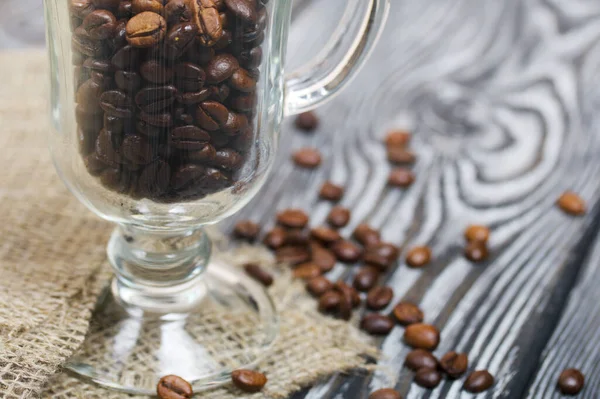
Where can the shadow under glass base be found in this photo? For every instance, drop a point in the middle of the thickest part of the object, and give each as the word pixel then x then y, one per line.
pixel 230 326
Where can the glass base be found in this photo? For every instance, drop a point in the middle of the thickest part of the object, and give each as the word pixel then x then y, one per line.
pixel 230 326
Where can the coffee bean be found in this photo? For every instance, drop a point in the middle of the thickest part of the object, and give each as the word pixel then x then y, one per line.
pixel 82 43
pixel 248 380
pixel 243 10
pixel 454 364
pixel 179 38
pixel 397 138
pixel 325 235
pixel 400 155
pixel 428 378
pixel 342 287
pixel 259 274
pixel 478 381
pixel 189 77
pixel 129 82
pixel 572 203
pixel 176 11
pixel 139 6
pixel 366 278
pixel 366 235
pixel 125 58
pixel 308 158
pixel 124 10
pixel 137 150
pixel 323 258
pixel 329 301
pixel 221 68
pixel 346 251
pixel 99 24
pixel 346 303
pixel 385 393
pixel 377 324
pixel 154 179
pixel 156 119
pixel 331 192
pixel 247 230
pixel 420 358
pixel 205 15
pixel 571 381
pixel 407 313
pixel 306 271
pixel 116 103
pixel 338 216
pixel 146 29
pixel 174 387
pixel 107 149
pixel 379 297
pixel 298 237
pixel 423 336
pixel 418 257
pixel 293 255
pixel 251 58
pixel 275 238
pixel 156 72
pixel 205 155
pixel 476 252
pixel 307 121
pixel 106 3
pixel 477 233
pixel 211 115
pixel 157 98
pixel 242 81
pixel 81 8
pixel 292 218
pixel 244 102
pixel 381 255
pixel 401 177
pixel 88 96
pixel 319 285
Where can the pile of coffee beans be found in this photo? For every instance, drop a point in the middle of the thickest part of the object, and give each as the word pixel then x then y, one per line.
pixel 166 92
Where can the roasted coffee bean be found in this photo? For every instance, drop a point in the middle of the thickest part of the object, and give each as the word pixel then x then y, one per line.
pixel 251 58
pixel 126 58
pixel 407 313
pixel 242 81
pixel 292 218
pixel 81 8
pixel 259 274
pixel 187 175
pixel 82 43
pixel 157 98
pixel 221 68
pixel 205 155
pixel 400 155
pixel 420 358
pixel 248 380
pixel 366 278
pixel 346 305
pixel 146 29
pixel 176 11
pixel 454 364
pixel 100 24
pixel 244 102
pixel 116 103
pixel 379 297
pixel 154 179
pixel 87 141
pixel 401 177
pixel 423 336
pixel 341 286
pixel 179 38
pixel 331 192
pixel 293 255
pixel 189 77
pixel 329 301
pixel 476 252
pixel 397 138
pixel 377 324
pixel 148 130
pixel 89 121
pixel 243 9
pixel 478 381
pixel 428 378
pixel 174 387
pixel 306 271
pixel 385 393
pixel 107 148
pixel 323 258
pixel 228 159
pixel 119 40
pixel 572 203
pixel 307 121
pixel 319 285
pixel 194 97
pixel 94 165
pixel 114 124
pixel 275 238
pixel 247 230
pixel 570 381
pixel 346 251
pixel 88 97
pixel 308 158
pixel 211 115
pixel 189 138
pixel 155 119
pixel 137 150
pixel 139 6
pixel 366 235
pixel 128 81
pixel 205 14
pixel 382 255
pixel 418 257
pixel 106 3
pixel 195 180
pixel 477 233
pixel 102 66
pixel 296 237
pixel 235 123
pixel 156 72
pixel 124 10
pixel 220 92
pixel 338 216
pixel 325 235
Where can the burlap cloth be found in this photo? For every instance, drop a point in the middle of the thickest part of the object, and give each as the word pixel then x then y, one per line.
pixel 53 266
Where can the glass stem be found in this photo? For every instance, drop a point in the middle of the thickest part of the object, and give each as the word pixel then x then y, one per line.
pixel 158 271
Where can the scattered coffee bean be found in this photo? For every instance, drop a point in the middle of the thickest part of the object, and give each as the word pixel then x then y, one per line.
pixel 346 251
pixel 325 235
pixel 422 336
pixel 397 138
pixel 385 393
pixel 381 255
pixel 366 235
pixel 338 216
pixel 293 255
pixel 401 177
pixel 259 274
pixel 275 238
pixel 247 230
pixel 476 252
pixel 248 380
pixel 331 192
pixel 319 285
pixel 330 301
pixel 478 381
pixel 407 313
pixel 292 218
pixel 420 358
pixel 308 158
pixel 346 302
pixel 307 121
pixel 174 387
pixel 379 297
pixel 572 203
pixel 400 155
pixel 571 382
pixel 323 258
pixel 307 271
pixel 418 257
pixel 342 287
pixel 297 237
pixel 377 324
pixel 366 278
pixel 454 364
pixel 477 233
pixel 428 378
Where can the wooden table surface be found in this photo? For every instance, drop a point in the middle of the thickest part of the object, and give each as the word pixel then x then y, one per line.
pixel 503 98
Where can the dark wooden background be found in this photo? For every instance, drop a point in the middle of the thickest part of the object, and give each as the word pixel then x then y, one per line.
pixel 504 100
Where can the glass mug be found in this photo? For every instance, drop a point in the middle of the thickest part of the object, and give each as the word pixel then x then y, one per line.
pixel 166 116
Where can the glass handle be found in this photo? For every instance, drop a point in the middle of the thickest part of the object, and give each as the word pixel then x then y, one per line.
pixel 320 79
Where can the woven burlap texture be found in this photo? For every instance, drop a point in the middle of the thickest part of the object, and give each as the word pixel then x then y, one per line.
pixel 53 267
